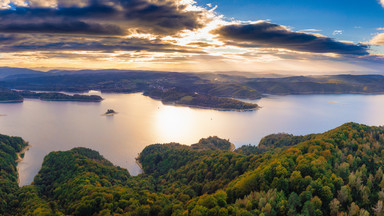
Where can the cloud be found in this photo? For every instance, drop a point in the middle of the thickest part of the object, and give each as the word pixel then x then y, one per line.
pixel 381 2
pixel 337 32
pixel 165 17
pixel 9 39
pixel 311 30
pixel 168 34
pixel 72 27
pixel 16 43
pixel 380 29
pixel 378 39
pixel 265 34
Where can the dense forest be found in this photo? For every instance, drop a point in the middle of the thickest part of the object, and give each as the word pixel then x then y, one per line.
pixel 54 96
pixel 339 172
pixel 179 96
pixel 9 96
pixel 9 147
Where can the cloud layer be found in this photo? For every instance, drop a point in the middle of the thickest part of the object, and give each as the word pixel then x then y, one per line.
pixel 111 16
pixel 265 34
pixel 378 39
pixel 22 43
pixel 162 34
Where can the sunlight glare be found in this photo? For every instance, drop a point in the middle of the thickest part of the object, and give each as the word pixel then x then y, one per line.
pixel 173 123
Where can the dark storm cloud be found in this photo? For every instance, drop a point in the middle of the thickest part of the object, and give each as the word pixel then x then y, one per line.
pixel 266 34
pixel 162 17
pixel 73 27
pixel 98 44
pixel 7 39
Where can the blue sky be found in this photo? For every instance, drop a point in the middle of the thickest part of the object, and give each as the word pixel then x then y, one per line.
pixel 358 19
pixel 284 36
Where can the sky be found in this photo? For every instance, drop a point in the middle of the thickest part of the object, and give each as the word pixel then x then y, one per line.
pixel 268 36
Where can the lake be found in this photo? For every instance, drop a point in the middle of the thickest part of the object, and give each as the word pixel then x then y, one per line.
pixel 141 121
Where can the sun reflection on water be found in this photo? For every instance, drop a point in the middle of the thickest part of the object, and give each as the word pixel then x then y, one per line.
pixel 173 123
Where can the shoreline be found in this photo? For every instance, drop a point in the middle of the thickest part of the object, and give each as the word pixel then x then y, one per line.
pixel 139 164
pixel 12 101
pixel 73 100
pixel 212 108
pixel 204 107
pixel 109 114
pixel 19 159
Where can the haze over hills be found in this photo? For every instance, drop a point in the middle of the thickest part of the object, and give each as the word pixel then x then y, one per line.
pixel 204 90
pixel 133 80
pixel 12 72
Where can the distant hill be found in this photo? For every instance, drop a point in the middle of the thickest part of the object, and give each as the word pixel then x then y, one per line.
pixel 208 90
pixel 100 71
pixel 6 72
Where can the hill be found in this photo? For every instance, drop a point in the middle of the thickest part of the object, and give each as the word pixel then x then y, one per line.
pixel 9 72
pixel 339 172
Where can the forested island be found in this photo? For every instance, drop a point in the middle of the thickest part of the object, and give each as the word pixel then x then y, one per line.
pixel 339 172
pixel 54 96
pixel 10 96
pixel 176 96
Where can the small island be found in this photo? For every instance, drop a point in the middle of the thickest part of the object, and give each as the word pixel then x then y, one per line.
pixel 110 112
pixel 55 96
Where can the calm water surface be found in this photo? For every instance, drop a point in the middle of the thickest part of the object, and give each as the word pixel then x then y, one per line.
pixel 53 126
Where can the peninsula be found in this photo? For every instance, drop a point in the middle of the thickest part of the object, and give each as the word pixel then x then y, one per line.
pixel 7 96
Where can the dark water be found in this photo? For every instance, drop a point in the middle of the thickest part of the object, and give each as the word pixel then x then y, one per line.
pixel 53 126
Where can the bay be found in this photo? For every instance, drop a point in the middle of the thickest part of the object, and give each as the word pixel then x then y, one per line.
pixel 141 121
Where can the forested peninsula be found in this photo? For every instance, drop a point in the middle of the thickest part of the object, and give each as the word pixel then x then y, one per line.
pixel 339 172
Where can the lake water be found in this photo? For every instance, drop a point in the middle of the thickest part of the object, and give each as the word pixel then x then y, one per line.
pixel 141 121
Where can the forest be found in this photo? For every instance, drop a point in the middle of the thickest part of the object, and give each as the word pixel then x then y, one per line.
pixel 11 96
pixel 54 96
pixel 178 96
pixel 339 172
